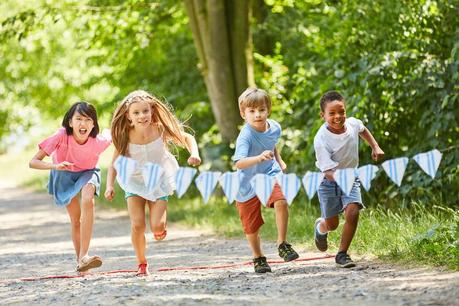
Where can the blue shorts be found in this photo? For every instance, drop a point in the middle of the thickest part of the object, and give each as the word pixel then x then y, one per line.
pixel 128 194
pixel 333 200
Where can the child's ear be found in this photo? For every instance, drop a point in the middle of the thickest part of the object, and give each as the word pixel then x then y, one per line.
pixel 242 114
pixel 322 115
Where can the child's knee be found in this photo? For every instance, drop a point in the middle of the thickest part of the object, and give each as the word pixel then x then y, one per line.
pixel 332 223
pixel 281 204
pixel 352 211
pixel 138 227
pixel 75 222
pixel 87 193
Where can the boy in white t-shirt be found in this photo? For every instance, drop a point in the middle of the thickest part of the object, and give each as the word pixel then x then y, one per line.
pixel 337 147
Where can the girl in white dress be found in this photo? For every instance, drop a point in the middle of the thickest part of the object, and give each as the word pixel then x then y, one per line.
pixel 142 128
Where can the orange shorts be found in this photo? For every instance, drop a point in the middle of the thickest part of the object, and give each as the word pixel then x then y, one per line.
pixel 250 210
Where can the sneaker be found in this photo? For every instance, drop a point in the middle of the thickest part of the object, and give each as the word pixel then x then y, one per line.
pixel 287 252
pixel 343 260
pixel 88 262
pixel 320 239
pixel 143 270
pixel 261 265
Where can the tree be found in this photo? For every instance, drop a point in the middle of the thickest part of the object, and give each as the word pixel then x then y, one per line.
pixel 222 38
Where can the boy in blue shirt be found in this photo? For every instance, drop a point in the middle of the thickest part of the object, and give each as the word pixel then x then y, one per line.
pixel 256 153
pixel 337 147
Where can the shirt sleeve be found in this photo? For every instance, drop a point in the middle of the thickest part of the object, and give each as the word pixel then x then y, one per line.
pixel 103 140
pixel 323 157
pixel 357 123
pixel 242 148
pixel 50 144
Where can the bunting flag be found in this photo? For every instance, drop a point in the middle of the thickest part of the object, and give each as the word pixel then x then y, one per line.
pixel 183 179
pixel 345 179
pixel 125 167
pixel 311 182
pixel 290 185
pixel 366 174
pixel 230 185
pixel 206 182
pixel 263 185
pixel 151 174
pixel 395 169
pixel 429 161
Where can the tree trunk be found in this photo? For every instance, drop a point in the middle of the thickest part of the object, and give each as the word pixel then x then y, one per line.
pixel 222 39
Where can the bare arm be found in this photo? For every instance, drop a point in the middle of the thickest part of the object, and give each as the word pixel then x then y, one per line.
pixel 111 174
pixel 192 147
pixel 279 159
pixel 376 152
pixel 248 162
pixel 37 163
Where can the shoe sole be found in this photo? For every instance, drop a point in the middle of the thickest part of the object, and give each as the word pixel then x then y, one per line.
pixel 263 271
pixel 347 265
pixel 292 257
pixel 96 263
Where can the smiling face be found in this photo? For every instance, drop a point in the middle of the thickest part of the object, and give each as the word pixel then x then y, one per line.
pixel 256 116
pixel 81 126
pixel 139 114
pixel 335 115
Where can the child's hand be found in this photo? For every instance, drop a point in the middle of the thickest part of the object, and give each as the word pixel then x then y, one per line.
pixel 65 165
pixel 377 153
pixel 266 155
pixel 109 193
pixel 329 175
pixel 194 160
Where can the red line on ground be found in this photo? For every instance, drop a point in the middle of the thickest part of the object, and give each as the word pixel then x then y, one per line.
pixel 30 279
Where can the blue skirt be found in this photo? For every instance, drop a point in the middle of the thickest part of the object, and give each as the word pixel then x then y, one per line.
pixel 65 185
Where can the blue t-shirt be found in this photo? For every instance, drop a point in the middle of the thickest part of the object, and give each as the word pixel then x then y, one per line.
pixel 249 143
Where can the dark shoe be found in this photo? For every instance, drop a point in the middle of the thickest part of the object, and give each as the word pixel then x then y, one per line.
pixel 261 265
pixel 286 251
pixel 343 260
pixel 320 240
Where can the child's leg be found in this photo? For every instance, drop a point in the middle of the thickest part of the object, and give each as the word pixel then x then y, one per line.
pixel 255 243
pixel 87 217
pixel 329 224
pixel 74 212
pixel 136 209
pixel 351 213
pixel 281 210
pixel 158 215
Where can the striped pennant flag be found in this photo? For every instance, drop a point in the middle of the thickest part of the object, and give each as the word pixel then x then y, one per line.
pixel 206 182
pixel 290 185
pixel 395 169
pixel 366 174
pixel 263 185
pixel 311 182
pixel 125 167
pixel 429 161
pixel 230 185
pixel 345 179
pixel 151 173
pixel 183 179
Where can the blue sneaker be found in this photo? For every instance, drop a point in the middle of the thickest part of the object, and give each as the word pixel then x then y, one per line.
pixel 319 239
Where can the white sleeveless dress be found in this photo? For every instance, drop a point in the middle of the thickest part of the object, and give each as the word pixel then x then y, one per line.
pixel 157 153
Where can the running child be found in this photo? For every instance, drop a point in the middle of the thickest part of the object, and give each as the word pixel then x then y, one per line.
pixel 336 145
pixel 142 128
pixel 74 177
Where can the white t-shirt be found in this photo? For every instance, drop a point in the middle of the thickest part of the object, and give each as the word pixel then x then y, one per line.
pixel 338 151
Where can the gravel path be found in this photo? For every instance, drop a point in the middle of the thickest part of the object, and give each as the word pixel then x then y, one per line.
pixel 35 242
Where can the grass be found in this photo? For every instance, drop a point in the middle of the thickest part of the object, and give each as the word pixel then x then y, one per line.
pixel 418 234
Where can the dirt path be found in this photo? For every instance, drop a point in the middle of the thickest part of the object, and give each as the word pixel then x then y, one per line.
pixel 35 242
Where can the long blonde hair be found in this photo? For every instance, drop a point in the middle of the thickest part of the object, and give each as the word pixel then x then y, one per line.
pixel 161 115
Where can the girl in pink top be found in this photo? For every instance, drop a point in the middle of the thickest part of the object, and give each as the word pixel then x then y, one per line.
pixel 75 150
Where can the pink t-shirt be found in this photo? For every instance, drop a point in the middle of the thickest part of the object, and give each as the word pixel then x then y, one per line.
pixel 62 147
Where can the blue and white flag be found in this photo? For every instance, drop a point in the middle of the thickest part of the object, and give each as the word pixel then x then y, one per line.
pixel 345 179
pixel 429 161
pixel 263 185
pixel 366 174
pixel 183 179
pixel 290 185
pixel 311 182
pixel 151 173
pixel 124 167
pixel 395 169
pixel 206 182
pixel 230 185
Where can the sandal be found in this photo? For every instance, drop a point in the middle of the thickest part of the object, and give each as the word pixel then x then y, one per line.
pixel 89 262
pixel 160 236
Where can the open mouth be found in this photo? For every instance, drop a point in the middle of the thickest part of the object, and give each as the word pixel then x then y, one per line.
pixel 82 131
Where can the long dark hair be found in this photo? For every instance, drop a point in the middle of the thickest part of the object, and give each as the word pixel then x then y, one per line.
pixel 85 109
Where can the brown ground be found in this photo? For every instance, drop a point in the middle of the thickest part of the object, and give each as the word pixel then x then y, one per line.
pixel 35 242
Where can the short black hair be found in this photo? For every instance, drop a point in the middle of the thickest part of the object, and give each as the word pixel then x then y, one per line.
pixel 330 96
pixel 85 109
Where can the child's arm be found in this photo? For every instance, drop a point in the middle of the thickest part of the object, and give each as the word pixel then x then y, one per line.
pixel 111 174
pixel 37 163
pixel 376 153
pixel 192 147
pixel 279 159
pixel 248 162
